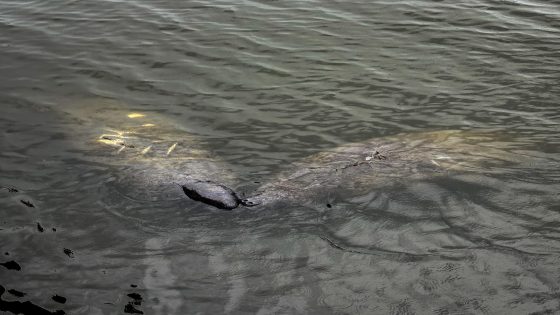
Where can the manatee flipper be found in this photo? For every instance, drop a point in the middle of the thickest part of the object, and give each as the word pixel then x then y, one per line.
pixel 211 193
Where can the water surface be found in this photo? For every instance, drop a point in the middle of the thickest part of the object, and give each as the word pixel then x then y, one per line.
pixel 261 85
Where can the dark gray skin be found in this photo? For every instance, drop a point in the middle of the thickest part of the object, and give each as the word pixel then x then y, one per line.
pixel 359 168
pixel 211 193
pixel 349 170
pixel 153 153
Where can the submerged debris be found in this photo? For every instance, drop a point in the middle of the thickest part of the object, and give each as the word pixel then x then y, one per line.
pixel 10 189
pixel 135 115
pixel 129 308
pixel 25 308
pixel 27 203
pixel 59 299
pixel 146 150
pixel 136 297
pixel 17 293
pixel 171 148
pixel 11 265
pixel 136 300
pixel 379 156
pixel 69 252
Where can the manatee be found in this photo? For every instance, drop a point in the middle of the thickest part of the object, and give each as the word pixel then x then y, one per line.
pixel 161 167
pixel 361 167
pixel 158 164
pixel 156 159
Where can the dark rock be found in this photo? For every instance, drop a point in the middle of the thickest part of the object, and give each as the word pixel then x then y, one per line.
pixel 16 293
pixel 135 296
pixel 40 228
pixel 69 252
pixel 129 308
pixel 25 308
pixel 10 189
pixel 11 265
pixel 27 203
pixel 59 299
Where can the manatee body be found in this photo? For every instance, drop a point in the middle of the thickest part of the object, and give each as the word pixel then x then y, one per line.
pixel 157 160
pixel 354 168
pixel 361 167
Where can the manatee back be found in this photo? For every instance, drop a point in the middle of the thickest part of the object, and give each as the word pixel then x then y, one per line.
pixel 150 155
pixel 361 167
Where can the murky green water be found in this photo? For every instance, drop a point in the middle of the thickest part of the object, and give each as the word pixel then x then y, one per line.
pixel 255 87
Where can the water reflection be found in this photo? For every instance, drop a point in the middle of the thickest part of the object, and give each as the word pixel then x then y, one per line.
pixel 233 275
pixel 160 280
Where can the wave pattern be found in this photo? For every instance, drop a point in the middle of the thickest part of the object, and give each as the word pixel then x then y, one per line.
pixel 264 84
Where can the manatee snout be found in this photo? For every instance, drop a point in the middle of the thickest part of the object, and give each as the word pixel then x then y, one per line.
pixel 211 193
pixel 249 202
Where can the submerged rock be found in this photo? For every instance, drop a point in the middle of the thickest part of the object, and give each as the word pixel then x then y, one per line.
pixel 11 265
pixel 26 308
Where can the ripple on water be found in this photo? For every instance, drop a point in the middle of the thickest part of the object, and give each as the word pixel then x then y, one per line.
pixel 263 85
